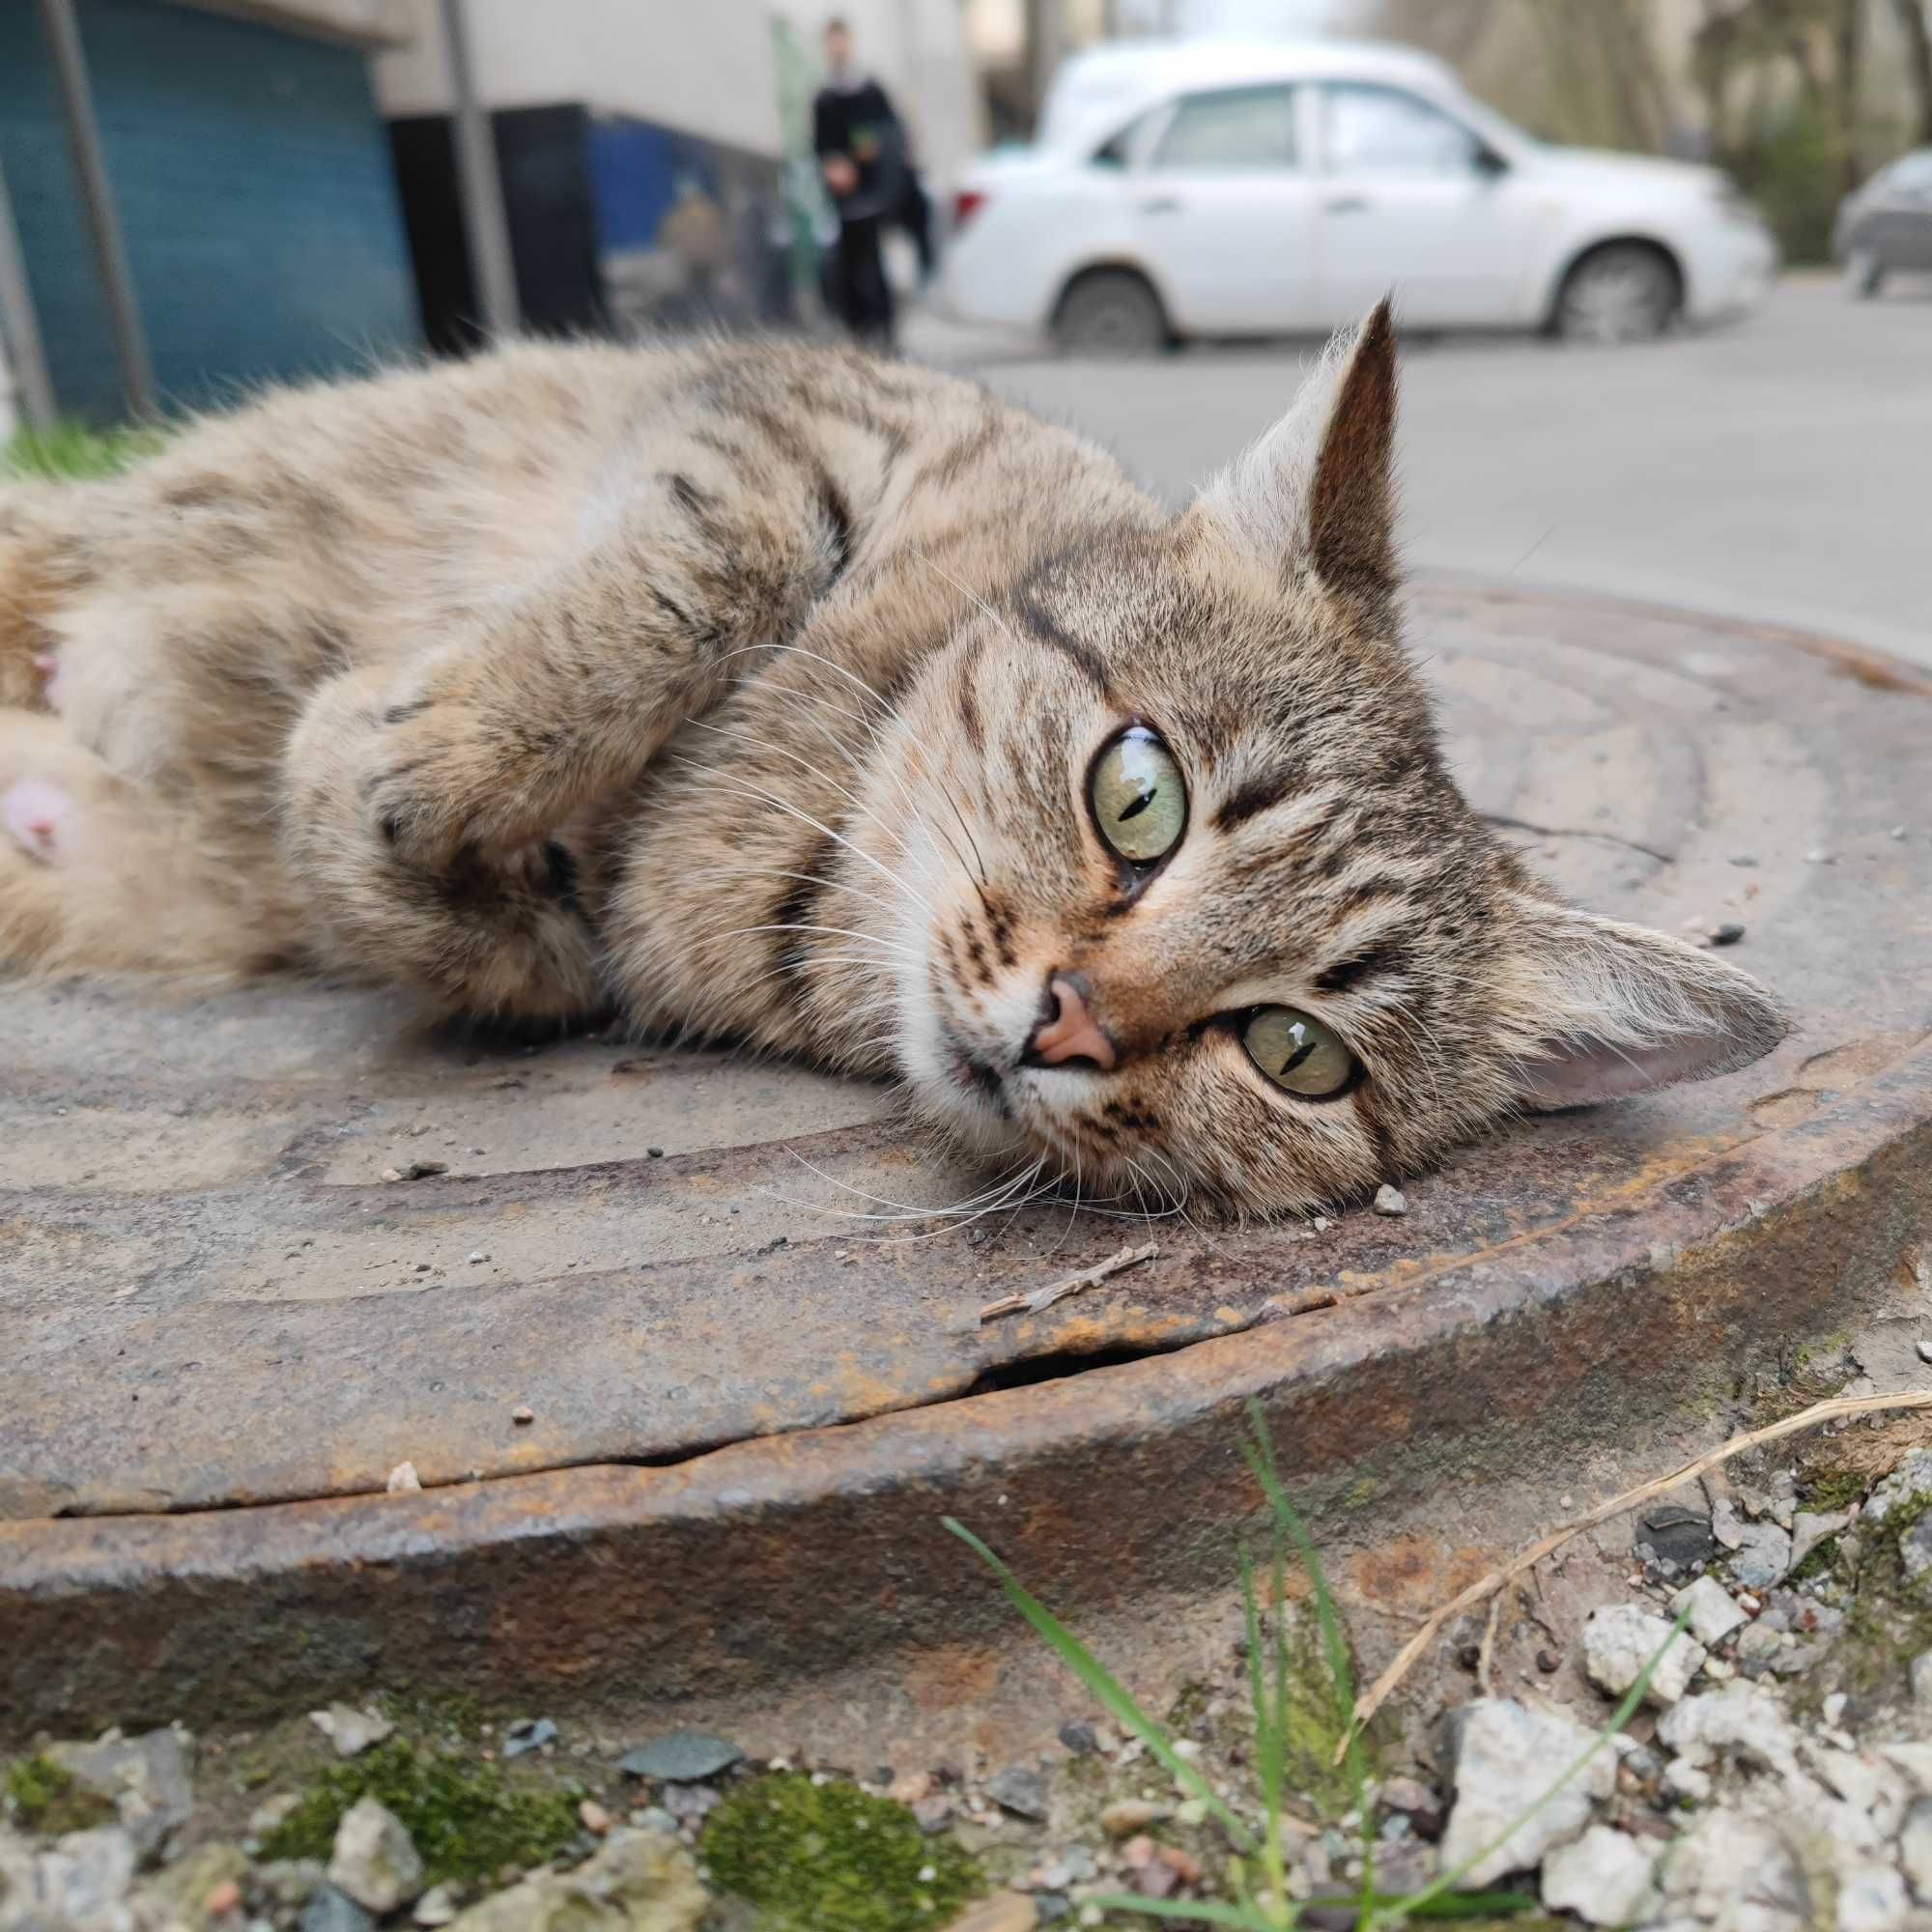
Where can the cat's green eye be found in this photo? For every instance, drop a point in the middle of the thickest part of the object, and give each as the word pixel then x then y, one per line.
pixel 1298 1053
pixel 1140 799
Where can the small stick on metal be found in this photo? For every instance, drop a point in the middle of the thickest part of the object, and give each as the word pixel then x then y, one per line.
pixel 1044 1297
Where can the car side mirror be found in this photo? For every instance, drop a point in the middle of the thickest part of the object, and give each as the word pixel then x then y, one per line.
pixel 1487 163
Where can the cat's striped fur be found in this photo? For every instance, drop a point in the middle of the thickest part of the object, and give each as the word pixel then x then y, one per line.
pixel 755 690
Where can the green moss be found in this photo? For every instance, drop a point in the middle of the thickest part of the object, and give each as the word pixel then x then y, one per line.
pixel 47 1797
pixel 831 1858
pixel 1316 1724
pixel 1833 1490
pixel 467 1818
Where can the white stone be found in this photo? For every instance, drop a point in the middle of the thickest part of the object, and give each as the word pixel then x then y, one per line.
pixel 1909 1481
pixel 375 1860
pixel 1742 1717
pixel 1915 1849
pixel 350 1730
pixel 1915 1761
pixel 1605 1877
pixel 1867 1784
pixel 1921 1674
pixel 1390 1201
pixel 1507 1758
pixel 1872 1898
pixel 1620 1639
pixel 436 1907
pixel 1735 1873
pixel 1808 1532
pixel 79 1883
pixel 1714 1616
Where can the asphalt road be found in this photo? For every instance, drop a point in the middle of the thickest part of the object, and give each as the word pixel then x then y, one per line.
pixel 1779 470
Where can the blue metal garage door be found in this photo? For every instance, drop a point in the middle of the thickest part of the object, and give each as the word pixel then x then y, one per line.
pixel 252 172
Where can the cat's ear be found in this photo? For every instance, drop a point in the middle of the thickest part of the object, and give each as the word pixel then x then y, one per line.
pixel 1316 492
pixel 1614 1009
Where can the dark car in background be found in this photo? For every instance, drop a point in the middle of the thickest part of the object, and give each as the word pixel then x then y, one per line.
pixel 1886 225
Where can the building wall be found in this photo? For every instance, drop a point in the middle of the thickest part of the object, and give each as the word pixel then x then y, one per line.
pixel 252 174
pixel 700 67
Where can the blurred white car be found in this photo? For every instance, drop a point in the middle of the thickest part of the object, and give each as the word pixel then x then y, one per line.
pixel 1215 188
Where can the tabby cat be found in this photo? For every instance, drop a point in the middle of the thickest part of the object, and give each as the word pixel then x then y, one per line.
pixel 770 693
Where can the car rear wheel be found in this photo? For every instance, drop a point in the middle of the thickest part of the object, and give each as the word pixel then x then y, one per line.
pixel 1864 274
pixel 1111 312
pixel 1621 293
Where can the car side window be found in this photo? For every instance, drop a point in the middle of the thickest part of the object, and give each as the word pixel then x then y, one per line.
pixel 1369 129
pixel 1231 128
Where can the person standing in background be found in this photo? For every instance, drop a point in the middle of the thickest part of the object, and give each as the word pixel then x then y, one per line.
pixel 861 153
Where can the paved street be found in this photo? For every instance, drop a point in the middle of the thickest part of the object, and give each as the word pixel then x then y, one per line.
pixel 1780 470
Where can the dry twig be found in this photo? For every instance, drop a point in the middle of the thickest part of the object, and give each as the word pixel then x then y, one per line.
pixel 1059 1290
pixel 1372 1700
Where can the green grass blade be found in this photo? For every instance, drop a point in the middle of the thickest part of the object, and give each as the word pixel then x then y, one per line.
pixel 1268 1741
pixel 1191 1912
pixel 1453 1905
pixel 1114 1696
pixel 1624 1713
pixel 1259 1449
pixel 1259 1453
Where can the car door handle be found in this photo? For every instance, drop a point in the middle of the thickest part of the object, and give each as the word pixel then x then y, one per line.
pixel 1160 204
pixel 1348 204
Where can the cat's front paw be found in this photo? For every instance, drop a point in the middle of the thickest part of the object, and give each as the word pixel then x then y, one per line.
pixel 440 778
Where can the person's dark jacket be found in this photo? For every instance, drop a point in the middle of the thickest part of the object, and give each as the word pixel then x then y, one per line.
pixel 860 123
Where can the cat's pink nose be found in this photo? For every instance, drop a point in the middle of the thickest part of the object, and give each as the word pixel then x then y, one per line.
pixel 1071 1033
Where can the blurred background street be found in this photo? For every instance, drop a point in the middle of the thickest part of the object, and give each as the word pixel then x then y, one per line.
pixel 1663 267
pixel 1764 472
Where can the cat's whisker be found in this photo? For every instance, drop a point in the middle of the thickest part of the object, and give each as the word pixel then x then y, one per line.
pixel 841 931
pixel 873 728
pixel 745 789
pixel 845 793
pixel 994 1197
pixel 899 719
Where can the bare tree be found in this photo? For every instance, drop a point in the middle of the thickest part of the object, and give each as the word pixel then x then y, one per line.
pixel 1918 62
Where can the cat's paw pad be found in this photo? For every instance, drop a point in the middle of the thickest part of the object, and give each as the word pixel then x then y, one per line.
pixel 42 818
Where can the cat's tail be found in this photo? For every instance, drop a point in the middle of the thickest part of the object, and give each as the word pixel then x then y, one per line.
pixel 98 876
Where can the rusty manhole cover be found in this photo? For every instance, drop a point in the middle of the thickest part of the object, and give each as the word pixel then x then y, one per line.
pixel 211 1298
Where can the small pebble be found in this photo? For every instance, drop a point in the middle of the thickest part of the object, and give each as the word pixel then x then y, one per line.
pixel 1744 859
pixel 1819 857
pixel 1925 1352
pixel 1079 1737
pixel 1391 1201
pixel 1897 831
pixel 436 1907
pixel 680 1757
pixel 528 1734
pixel 654 1153
pixel 1729 933
pixel 226 1897
pixel 1549 1663
pixel 1131 1816
pixel 478 1255
pixel 522 1413
pixel 1323 1224
pixel 593 1817
pixel 404 1480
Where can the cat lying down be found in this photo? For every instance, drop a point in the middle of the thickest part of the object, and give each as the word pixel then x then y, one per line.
pixel 769 693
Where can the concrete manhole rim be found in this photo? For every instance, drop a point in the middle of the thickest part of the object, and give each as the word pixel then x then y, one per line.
pixel 1782 1231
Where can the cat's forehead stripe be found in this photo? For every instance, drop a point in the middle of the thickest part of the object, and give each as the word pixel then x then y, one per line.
pixel 1044 629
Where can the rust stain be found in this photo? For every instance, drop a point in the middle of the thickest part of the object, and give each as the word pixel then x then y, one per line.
pixel 948 1675
pixel 1411 1575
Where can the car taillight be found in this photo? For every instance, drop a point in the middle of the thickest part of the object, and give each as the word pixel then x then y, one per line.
pixel 966 203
